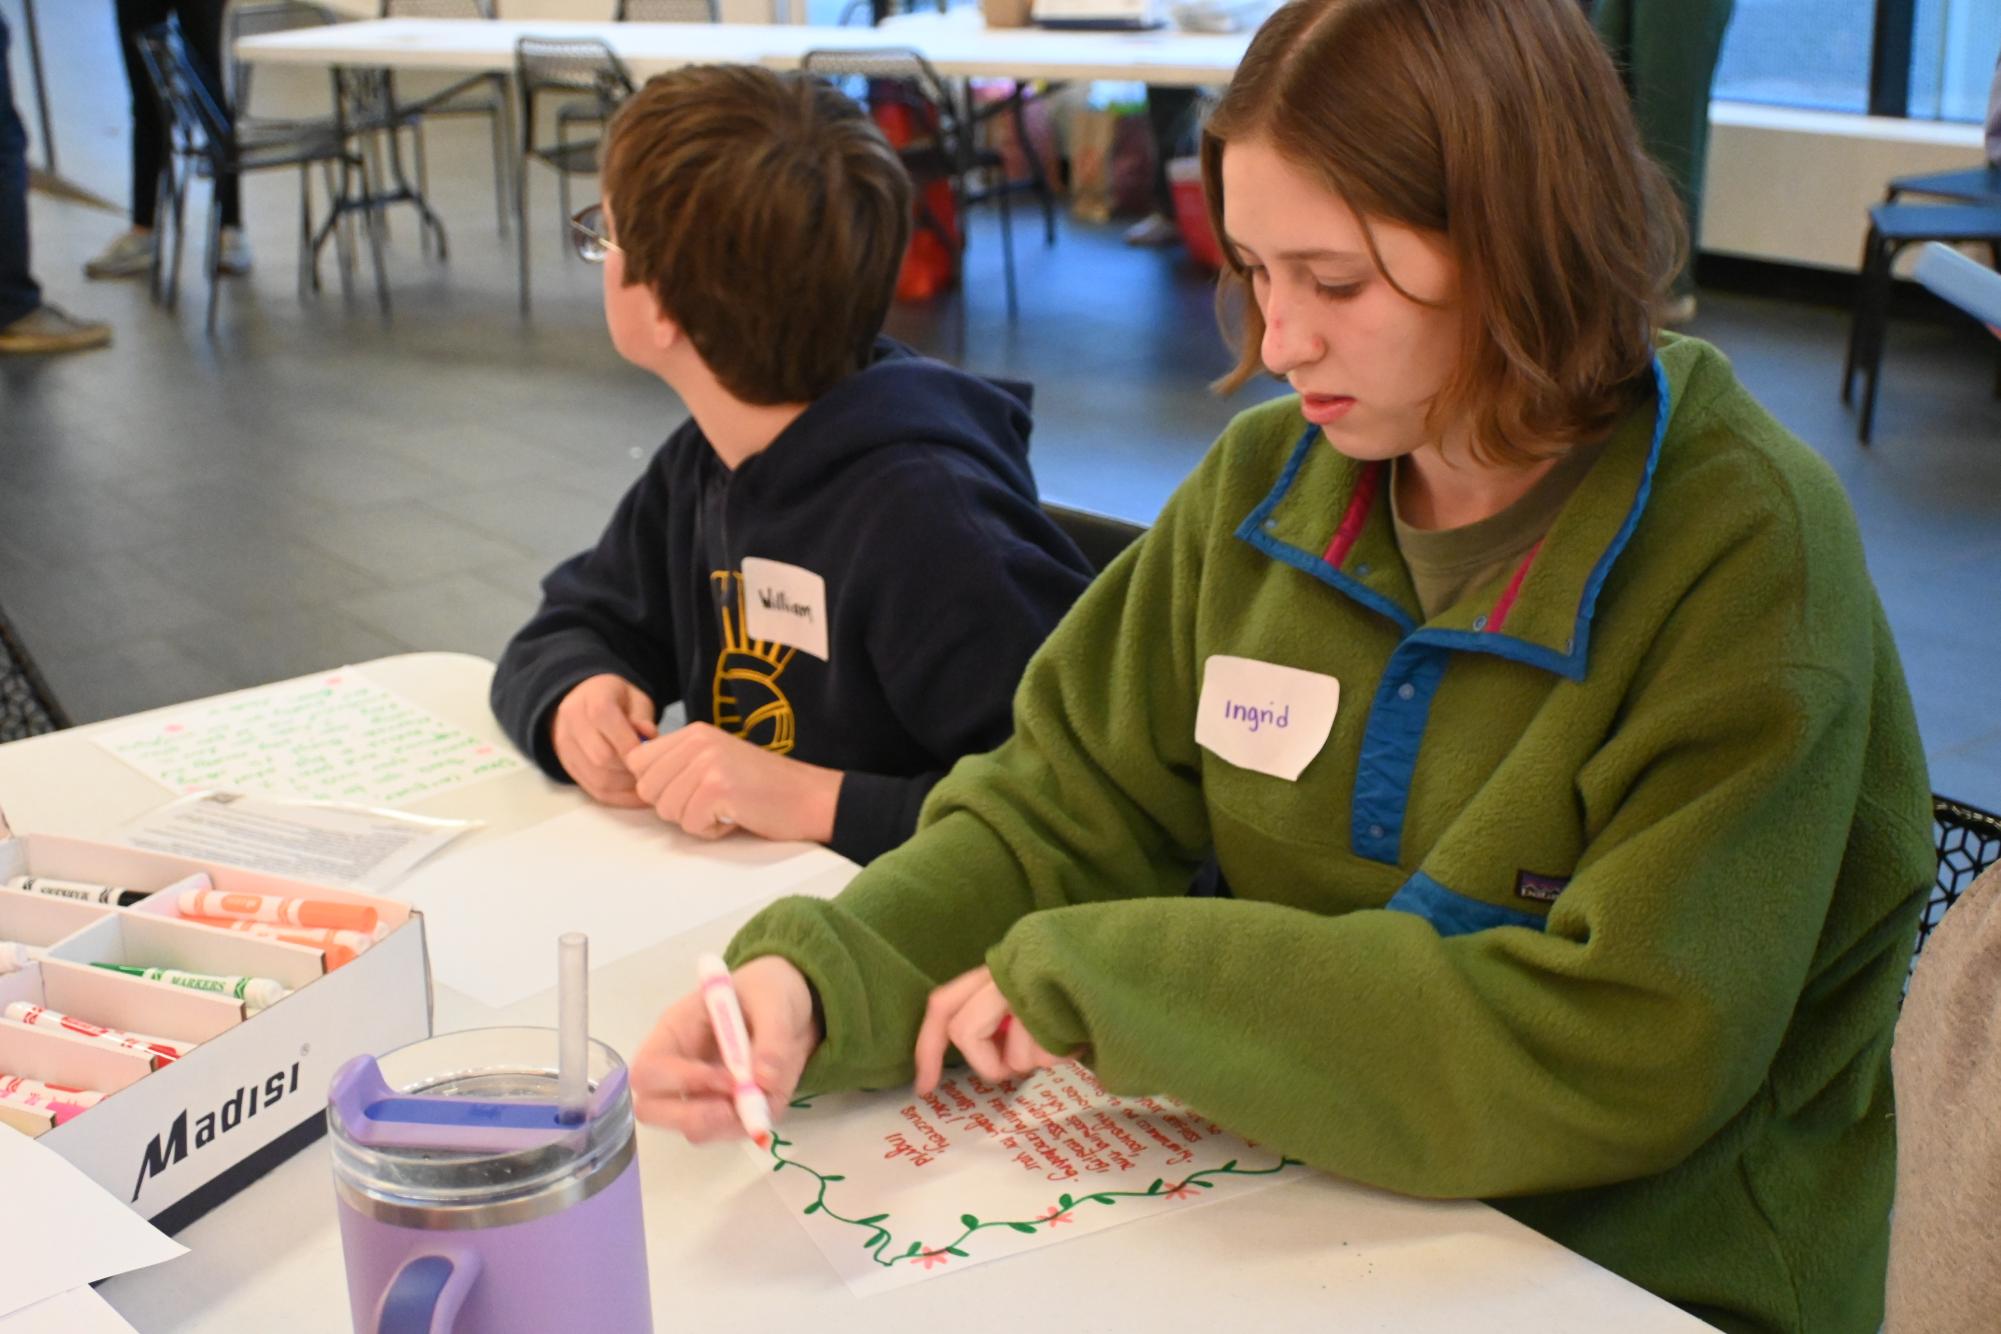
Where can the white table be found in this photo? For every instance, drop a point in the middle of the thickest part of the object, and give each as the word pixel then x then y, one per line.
pixel 1312 1255
pixel 959 47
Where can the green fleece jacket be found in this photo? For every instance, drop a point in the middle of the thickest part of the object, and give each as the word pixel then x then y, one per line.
pixel 1596 903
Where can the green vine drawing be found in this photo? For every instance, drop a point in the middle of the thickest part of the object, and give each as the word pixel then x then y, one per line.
pixel 880 1238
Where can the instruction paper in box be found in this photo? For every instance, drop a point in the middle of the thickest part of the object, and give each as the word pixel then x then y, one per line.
pixel 335 737
pixel 325 842
pixel 894 1191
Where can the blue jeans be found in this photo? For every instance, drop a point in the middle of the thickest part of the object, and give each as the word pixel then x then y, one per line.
pixel 18 292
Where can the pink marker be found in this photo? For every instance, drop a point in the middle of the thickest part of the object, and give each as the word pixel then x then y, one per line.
pixel 733 1041
pixel 162 1050
pixel 60 1100
pixel 61 1109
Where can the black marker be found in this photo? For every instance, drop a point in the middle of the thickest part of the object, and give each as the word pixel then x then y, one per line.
pixel 80 891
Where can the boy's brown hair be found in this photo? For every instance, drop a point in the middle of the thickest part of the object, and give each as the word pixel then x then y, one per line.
pixel 1503 125
pixel 768 215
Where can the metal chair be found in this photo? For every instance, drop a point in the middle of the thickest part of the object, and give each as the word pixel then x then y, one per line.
pixel 901 75
pixel 1892 227
pixel 27 706
pixel 1975 185
pixel 1099 536
pixel 666 11
pixel 202 134
pixel 480 95
pixel 567 69
pixel 1968 841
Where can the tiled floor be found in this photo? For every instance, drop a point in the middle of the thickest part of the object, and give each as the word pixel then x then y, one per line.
pixel 180 516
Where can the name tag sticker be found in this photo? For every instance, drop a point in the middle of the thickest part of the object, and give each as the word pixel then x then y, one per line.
pixel 785 604
pixel 1264 717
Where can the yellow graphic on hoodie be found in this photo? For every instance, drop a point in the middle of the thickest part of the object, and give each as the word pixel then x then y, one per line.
pixel 746 700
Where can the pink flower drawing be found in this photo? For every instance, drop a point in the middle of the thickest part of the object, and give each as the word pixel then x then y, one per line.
pixel 1178 1192
pixel 929 1258
pixel 1056 1216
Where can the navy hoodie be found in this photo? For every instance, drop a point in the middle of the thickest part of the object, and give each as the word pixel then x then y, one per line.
pixel 906 488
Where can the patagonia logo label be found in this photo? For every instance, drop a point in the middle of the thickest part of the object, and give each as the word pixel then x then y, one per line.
pixel 1541 888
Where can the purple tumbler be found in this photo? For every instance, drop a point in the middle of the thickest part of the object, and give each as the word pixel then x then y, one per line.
pixel 469 1202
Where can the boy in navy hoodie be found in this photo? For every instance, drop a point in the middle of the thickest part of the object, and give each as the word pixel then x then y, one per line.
pixel 838 563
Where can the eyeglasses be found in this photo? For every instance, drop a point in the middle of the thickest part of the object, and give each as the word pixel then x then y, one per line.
pixel 587 234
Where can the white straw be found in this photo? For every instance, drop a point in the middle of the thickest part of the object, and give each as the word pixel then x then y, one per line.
pixel 573 1027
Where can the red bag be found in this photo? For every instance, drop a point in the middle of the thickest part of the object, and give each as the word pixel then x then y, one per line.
pixel 931 264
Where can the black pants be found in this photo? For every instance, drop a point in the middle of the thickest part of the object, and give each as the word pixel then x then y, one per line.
pixel 18 293
pixel 1171 114
pixel 201 30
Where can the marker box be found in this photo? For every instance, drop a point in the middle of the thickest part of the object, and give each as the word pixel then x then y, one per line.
pixel 177 1140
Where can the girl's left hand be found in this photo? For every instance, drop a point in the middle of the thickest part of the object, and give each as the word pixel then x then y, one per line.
pixel 970 1013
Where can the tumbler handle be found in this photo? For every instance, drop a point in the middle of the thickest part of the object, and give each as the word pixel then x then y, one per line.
pixel 426 1294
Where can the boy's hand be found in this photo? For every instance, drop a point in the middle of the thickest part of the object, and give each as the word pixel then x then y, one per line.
pixel 678 1079
pixel 708 782
pixel 602 718
pixel 970 1013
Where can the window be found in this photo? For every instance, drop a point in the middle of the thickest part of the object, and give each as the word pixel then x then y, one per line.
pixel 1954 47
pixel 1802 53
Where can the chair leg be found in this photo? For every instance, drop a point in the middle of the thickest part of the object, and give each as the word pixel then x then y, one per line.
pixel 423 161
pixel 180 239
pixel 1855 319
pixel 1007 252
pixel 214 256
pixel 1879 320
pixel 163 190
pixel 503 146
pixel 374 223
pixel 521 227
pixel 305 223
pixel 1038 178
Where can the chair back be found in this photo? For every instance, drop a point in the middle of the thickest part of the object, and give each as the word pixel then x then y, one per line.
pixel 195 121
pixel 666 11
pixel 27 707
pixel 257 20
pixel 437 9
pixel 899 74
pixel 1099 536
pixel 568 67
pixel 1968 841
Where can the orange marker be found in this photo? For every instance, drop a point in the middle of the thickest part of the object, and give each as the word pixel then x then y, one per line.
pixel 336 914
pixel 339 946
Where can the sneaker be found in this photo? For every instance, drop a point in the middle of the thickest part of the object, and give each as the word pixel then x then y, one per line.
pixel 48 329
pixel 234 259
pixel 1153 231
pixel 130 256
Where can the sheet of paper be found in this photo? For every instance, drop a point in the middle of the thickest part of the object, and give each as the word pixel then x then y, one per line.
pixel 492 912
pixel 78 1311
pixel 332 843
pixel 61 1230
pixel 337 737
pixel 895 1191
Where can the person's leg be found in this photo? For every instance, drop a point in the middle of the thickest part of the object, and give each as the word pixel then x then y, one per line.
pixel 131 254
pixel 1675 45
pixel 19 293
pixel 1169 112
pixel 201 26
pixel 28 324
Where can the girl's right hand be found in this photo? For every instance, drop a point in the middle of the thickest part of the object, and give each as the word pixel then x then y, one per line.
pixel 678 1079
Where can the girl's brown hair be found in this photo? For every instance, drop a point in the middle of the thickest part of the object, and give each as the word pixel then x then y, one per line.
pixel 1503 126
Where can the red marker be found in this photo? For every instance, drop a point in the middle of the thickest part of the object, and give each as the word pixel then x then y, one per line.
pixel 733 1041
pixel 162 1050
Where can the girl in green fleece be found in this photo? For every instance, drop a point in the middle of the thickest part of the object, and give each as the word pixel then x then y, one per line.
pixel 1522 675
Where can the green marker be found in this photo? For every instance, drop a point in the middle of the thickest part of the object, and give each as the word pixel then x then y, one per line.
pixel 255 992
